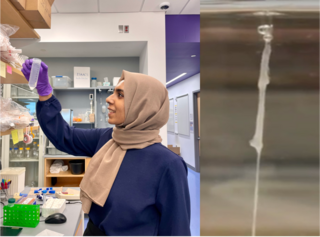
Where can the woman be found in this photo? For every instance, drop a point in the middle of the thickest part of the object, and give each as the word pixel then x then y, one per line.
pixel 133 185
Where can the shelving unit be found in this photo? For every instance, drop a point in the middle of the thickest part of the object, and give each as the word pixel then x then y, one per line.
pixel 10 15
pixel 63 179
pixel 9 131
pixel 16 77
pixel 24 160
pixel 33 138
pixel 24 97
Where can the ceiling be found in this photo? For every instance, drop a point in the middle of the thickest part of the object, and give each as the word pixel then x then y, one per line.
pixel 184 7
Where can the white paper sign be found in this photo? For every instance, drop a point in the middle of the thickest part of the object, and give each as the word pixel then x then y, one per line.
pixel 81 77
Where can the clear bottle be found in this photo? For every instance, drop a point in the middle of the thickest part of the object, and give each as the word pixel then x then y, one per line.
pixel 21 153
pixel 27 154
pixel 93 82
pixel 11 153
pixel 15 152
pixel 35 152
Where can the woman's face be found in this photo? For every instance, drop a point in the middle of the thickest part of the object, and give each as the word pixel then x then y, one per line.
pixel 116 105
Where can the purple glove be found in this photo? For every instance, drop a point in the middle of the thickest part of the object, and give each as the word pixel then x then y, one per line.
pixel 43 86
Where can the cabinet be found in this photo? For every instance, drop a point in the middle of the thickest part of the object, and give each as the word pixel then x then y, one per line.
pixel 10 15
pixel 77 99
pixel 34 165
pixel 62 179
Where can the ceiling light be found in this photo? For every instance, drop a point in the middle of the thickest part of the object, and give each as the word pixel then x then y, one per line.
pixel 176 78
pixel 192 56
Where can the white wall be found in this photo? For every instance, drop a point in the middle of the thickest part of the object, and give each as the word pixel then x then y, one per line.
pixel 144 60
pixel 186 143
pixel 103 27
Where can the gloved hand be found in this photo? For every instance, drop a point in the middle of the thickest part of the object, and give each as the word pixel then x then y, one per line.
pixel 43 86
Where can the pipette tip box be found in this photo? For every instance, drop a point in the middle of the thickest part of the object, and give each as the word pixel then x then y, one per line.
pixel 53 206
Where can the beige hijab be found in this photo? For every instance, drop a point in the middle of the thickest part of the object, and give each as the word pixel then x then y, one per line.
pixel 146 111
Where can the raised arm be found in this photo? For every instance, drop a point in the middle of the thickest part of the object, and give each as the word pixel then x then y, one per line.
pixel 78 142
pixel 74 141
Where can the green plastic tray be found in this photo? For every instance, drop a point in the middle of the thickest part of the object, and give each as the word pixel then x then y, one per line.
pixel 21 215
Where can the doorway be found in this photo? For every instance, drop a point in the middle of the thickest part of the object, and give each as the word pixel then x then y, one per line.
pixel 196 112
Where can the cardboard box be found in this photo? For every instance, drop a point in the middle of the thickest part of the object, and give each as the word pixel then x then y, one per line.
pixel 81 77
pixel 174 149
pixel 51 2
pixel 38 13
pixel 19 4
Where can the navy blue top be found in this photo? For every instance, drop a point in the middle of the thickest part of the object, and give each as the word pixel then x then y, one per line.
pixel 150 195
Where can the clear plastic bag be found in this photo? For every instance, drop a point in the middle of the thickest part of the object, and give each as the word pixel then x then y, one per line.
pixel 56 166
pixel 13 115
pixel 10 54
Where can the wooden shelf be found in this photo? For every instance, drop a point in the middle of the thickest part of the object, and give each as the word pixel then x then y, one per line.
pixel 65 174
pixel 16 77
pixel 65 179
pixel 9 131
pixel 10 15
pixel 67 183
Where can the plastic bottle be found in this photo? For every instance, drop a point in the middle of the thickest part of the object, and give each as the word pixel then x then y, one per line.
pixel 11 202
pixel 15 152
pixel 21 153
pixel 93 82
pixel 35 152
pixel 35 70
pixel 28 153
pixel 11 153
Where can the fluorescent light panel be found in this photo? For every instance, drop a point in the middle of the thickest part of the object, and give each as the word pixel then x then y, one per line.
pixel 176 78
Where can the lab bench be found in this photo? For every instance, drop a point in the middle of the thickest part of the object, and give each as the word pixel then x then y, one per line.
pixel 73 227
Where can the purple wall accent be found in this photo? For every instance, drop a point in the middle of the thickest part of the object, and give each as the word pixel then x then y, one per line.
pixel 182 28
pixel 179 60
pixel 182 41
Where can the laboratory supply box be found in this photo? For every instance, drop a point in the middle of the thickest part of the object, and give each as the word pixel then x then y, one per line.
pixel 61 82
pixel 53 206
pixel 17 176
